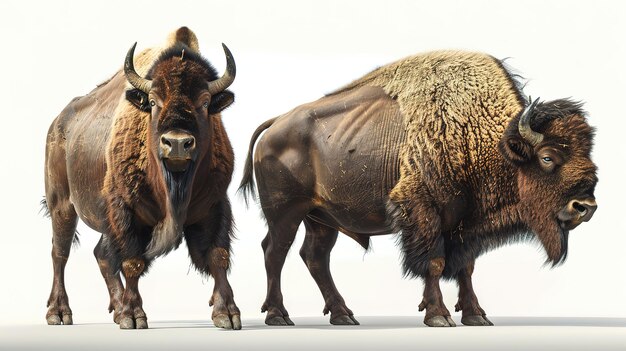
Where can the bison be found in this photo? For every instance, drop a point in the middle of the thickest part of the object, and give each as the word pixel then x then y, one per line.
pixel 442 148
pixel 144 159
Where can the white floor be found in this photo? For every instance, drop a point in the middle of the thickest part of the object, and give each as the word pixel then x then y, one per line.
pixel 314 333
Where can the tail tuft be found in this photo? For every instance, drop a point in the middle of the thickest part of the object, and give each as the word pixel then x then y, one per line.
pixel 44 208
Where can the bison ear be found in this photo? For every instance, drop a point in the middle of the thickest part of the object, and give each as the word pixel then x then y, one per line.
pixel 515 149
pixel 139 99
pixel 221 101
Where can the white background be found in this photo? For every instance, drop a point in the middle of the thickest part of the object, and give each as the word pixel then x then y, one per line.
pixel 289 53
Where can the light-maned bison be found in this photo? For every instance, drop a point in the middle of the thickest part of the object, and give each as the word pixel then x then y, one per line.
pixel 442 147
pixel 146 162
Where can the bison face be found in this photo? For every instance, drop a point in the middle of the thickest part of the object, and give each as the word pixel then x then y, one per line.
pixel 550 145
pixel 179 125
pixel 182 93
pixel 181 96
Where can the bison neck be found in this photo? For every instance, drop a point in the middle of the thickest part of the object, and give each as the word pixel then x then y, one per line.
pixel 497 202
pixel 172 191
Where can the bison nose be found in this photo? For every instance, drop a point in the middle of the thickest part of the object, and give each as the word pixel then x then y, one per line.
pixel 177 149
pixel 577 211
pixel 175 144
pixel 585 208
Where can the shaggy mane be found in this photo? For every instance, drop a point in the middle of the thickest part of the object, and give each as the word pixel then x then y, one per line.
pixel 190 55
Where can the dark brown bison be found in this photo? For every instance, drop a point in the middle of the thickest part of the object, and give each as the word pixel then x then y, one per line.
pixel 442 147
pixel 145 164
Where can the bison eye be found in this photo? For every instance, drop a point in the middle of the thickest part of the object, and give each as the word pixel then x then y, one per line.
pixel 152 103
pixel 547 159
pixel 205 105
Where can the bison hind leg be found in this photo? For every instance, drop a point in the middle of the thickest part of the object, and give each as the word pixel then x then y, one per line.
pixel 64 219
pixel 315 252
pixel 283 222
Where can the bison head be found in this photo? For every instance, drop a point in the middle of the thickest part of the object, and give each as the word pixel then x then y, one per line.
pixel 182 92
pixel 550 145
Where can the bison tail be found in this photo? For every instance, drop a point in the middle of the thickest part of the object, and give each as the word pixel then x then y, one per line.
pixel 44 208
pixel 247 186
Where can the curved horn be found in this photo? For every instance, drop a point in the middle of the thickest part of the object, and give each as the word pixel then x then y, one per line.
pixel 131 75
pixel 525 130
pixel 227 79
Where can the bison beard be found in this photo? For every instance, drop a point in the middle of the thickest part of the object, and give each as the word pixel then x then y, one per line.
pixel 168 234
pixel 552 237
pixel 178 185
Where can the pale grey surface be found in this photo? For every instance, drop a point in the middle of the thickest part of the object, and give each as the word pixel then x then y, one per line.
pixel 314 333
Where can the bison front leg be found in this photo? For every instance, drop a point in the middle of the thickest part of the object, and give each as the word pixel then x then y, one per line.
pixel 126 237
pixel 106 258
pixel 473 314
pixel 437 315
pixel 132 315
pixel 225 312
pixel 209 249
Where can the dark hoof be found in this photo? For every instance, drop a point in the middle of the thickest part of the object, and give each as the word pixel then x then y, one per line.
pixel 133 323
pixel 279 320
pixel 226 322
pixel 236 320
pixel 440 321
pixel 127 323
pixel 67 319
pixel 344 320
pixel 222 321
pixel 488 321
pixel 476 321
pixel 450 321
pixel 55 319
pixel 141 323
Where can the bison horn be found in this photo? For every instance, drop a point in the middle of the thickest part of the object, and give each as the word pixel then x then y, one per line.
pixel 133 78
pixel 221 84
pixel 534 138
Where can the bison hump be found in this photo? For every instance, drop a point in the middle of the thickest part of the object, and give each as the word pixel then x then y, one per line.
pixel 183 35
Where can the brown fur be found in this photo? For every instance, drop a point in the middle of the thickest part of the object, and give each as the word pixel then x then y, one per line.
pixel 120 184
pixel 436 266
pixel 456 106
pixel 133 267
pixel 468 179
pixel 126 151
pixel 220 258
